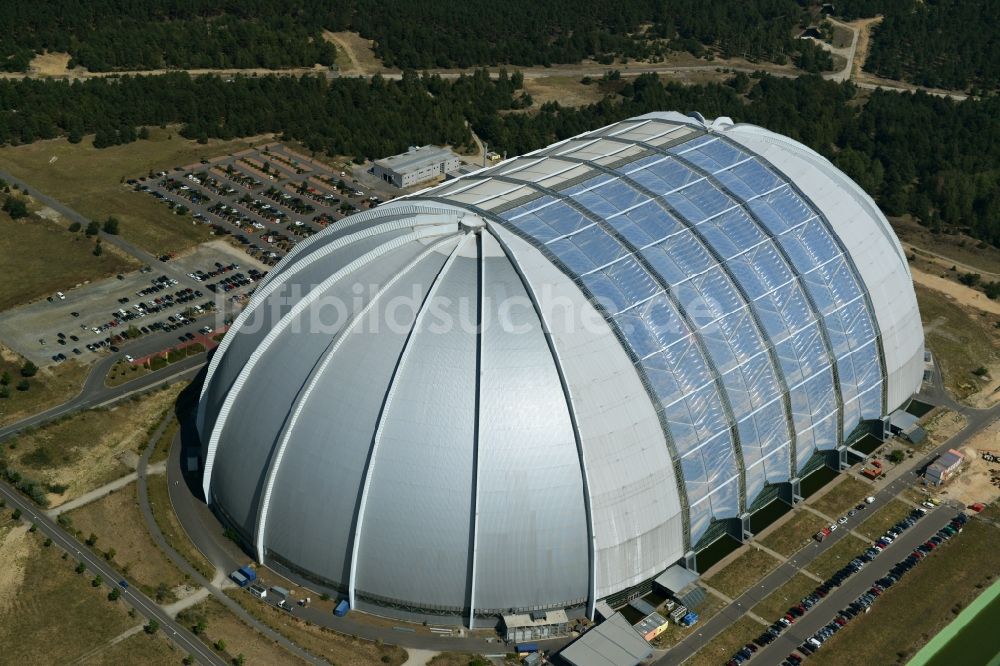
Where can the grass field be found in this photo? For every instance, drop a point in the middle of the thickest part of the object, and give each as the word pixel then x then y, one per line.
pixel 172 531
pixel 48 613
pixel 834 559
pixel 118 524
pixel 877 523
pixel 89 181
pixel 155 650
pixel 335 648
pixel 237 637
pixel 920 605
pixel 41 257
pixel 50 387
pixel 162 449
pixel 960 341
pixel 797 532
pixel 88 449
pixel 736 578
pixel 839 499
pixel 123 372
pixel 778 602
pixel 721 648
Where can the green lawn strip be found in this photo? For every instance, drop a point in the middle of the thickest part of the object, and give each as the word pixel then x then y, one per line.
pixel 740 574
pixel 797 532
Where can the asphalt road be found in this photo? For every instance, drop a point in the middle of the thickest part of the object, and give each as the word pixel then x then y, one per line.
pixel 96 565
pixel 95 392
pixel 856 585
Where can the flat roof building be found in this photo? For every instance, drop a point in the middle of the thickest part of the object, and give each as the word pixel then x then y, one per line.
pixel 416 165
pixel 614 642
pixel 944 467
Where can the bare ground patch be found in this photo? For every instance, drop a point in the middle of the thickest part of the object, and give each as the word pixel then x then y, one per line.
pixel 358 55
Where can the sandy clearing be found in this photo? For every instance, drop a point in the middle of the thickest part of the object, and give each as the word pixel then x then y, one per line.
pixel 958 292
pixel 51 64
pixel 358 51
pixel 978 481
pixel 14 549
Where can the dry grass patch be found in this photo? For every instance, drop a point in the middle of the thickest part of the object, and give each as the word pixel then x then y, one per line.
pixel 141 648
pixel 791 593
pixel 960 340
pixel 567 90
pixel 41 257
pixel 355 54
pixel 236 636
pixel 55 616
pixel 123 372
pixel 795 533
pixel 332 646
pixel 50 64
pixel 739 575
pixel 721 648
pixel 841 497
pixel 166 520
pixel 90 181
pixel 877 523
pixel 52 386
pixel 921 604
pixel 121 533
pixel 89 449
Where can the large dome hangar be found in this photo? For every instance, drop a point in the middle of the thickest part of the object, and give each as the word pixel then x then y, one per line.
pixel 540 385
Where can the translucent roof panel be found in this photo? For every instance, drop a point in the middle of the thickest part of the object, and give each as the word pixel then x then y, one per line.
pixel 728 288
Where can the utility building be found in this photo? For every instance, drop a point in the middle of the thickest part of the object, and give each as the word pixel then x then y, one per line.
pixel 416 165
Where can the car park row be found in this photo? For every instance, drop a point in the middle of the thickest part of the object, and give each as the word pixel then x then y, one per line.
pixel 808 602
pixel 254 203
pixel 863 603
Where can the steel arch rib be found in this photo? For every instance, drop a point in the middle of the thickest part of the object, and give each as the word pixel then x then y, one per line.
pixel 824 335
pixel 234 390
pixel 848 258
pixel 316 375
pixel 571 409
pixel 386 403
pixel 481 272
pixel 747 302
pixel 675 459
pixel 266 288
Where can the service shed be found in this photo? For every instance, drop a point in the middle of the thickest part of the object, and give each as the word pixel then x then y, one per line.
pixel 651 626
pixel 675 580
pixel 536 625
pixel 904 424
pixel 612 643
pixel 944 467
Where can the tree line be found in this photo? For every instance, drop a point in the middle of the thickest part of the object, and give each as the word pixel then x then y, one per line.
pixel 109 35
pixel 935 43
pixel 931 157
pixel 354 117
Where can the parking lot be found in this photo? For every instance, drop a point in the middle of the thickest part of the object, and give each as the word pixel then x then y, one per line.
pixel 160 303
pixel 264 201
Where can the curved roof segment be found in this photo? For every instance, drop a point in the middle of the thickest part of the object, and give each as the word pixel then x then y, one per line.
pixel 538 385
